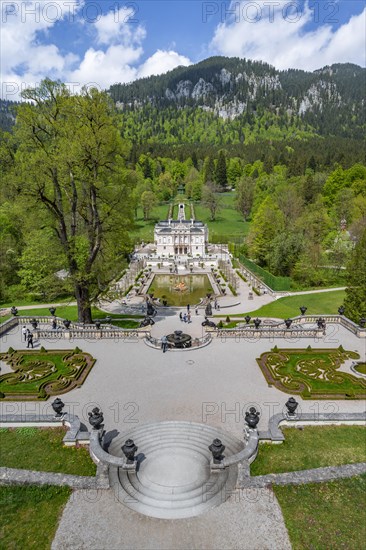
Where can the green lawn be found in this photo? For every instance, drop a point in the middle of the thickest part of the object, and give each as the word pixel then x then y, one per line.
pixel 229 224
pixel 41 449
pixel 30 515
pixel 317 304
pixel 311 447
pixel 143 230
pixel 322 516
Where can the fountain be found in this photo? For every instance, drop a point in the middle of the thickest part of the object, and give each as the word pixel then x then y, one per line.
pixel 179 340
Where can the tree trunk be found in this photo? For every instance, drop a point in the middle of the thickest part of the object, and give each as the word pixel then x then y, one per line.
pixel 83 303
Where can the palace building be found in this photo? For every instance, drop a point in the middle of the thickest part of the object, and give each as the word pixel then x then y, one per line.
pixel 180 237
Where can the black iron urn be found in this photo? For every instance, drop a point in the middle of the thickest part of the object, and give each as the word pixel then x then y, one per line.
pixel 291 406
pixel 96 418
pixel 217 449
pixel 252 417
pixel 303 310
pixel 57 406
pixel 129 450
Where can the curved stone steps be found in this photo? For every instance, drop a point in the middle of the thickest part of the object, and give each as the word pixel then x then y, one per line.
pixel 173 477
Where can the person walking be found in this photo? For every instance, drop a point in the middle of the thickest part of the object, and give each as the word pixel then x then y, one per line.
pixel 196 310
pixel 189 318
pixel 30 339
pixel 181 316
pixel 164 343
pixel 188 308
pixel 25 333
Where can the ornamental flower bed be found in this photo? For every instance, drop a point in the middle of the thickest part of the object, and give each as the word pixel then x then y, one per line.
pixel 38 374
pixel 313 374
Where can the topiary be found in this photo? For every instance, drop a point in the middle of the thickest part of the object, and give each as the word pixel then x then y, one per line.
pixel 77 350
pixel 309 348
pixel 11 350
pixel 227 319
pixel 220 324
pixel 43 350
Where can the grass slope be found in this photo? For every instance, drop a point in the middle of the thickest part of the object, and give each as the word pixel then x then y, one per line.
pixel 321 516
pixel 41 449
pixel 317 304
pixel 312 447
pixel 30 515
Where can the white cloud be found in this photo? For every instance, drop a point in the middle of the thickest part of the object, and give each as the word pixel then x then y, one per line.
pixel 161 62
pixel 104 68
pixel 28 54
pixel 281 39
pixel 25 60
pixel 115 28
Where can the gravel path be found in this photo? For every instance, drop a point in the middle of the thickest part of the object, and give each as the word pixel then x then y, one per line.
pixel 248 520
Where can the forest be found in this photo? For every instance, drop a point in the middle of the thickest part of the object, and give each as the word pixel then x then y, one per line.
pixel 77 195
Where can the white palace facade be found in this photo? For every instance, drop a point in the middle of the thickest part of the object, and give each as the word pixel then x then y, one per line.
pixel 180 237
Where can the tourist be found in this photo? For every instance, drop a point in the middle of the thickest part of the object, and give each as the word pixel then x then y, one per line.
pixel 189 318
pixel 185 317
pixel 164 343
pixel 181 316
pixel 188 308
pixel 25 331
pixel 29 339
pixel 196 310
pixel 218 306
pixel 54 324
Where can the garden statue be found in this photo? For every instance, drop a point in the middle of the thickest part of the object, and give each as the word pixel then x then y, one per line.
pixel 96 418
pixel 217 449
pixel 291 405
pixel 208 309
pixel 341 310
pixel 207 323
pixel 252 417
pixel 57 406
pixel 151 311
pixel 14 311
pixel 129 450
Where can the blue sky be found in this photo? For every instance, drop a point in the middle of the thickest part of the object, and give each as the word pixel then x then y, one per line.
pixel 107 41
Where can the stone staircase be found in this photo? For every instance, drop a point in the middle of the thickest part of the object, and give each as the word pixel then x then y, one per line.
pixel 173 478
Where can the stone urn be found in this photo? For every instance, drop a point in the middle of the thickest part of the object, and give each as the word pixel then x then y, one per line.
pixel 288 323
pixel 97 324
pixel 34 323
pixel 362 322
pixel 67 323
pixel 52 310
pixel 247 319
pixel 14 311
pixel 341 310
pixel 96 418
pixel 217 449
pixel 303 310
pixel 57 406
pixel 252 417
pixel 129 450
pixel 291 406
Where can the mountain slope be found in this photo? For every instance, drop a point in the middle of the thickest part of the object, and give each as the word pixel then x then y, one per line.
pixel 239 100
